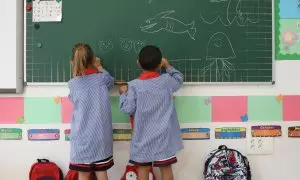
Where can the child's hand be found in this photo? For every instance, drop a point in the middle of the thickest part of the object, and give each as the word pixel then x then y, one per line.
pixel 123 89
pixel 164 63
pixel 98 64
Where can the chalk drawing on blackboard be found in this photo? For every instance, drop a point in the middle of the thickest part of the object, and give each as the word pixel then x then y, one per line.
pixel 163 21
pixel 218 53
pixel 149 1
pixel 189 66
pixel 105 46
pixel 218 1
pixel 234 13
pixel 138 45
pixel 126 44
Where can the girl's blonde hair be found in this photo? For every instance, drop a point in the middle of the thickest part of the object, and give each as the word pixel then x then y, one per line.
pixel 82 57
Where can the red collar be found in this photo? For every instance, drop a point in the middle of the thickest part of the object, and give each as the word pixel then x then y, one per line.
pixel 148 75
pixel 91 71
pixel 88 71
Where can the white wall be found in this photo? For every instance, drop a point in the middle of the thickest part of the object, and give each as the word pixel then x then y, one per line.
pixel 11 46
pixel 8 45
pixel 16 157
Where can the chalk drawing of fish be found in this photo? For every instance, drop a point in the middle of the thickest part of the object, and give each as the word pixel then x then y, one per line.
pixel 162 21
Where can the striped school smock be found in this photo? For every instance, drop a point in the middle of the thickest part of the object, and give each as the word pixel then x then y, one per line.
pixel 156 133
pixel 91 124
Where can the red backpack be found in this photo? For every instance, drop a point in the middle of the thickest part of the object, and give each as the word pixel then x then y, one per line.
pixel 131 173
pixel 45 170
pixel 73 175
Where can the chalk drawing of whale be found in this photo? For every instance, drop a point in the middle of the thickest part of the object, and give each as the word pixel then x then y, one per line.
pixel 162 21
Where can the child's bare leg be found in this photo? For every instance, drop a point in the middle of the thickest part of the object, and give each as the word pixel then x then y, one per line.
pixel 143 172
pixel 166 173
pixel 83 175
pixel 101 175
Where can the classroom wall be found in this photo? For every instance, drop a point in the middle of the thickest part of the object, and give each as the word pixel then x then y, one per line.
pixel 11 42
pixel 16 157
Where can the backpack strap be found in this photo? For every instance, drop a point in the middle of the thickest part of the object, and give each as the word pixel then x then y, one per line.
pixel 43 160
pixel 222 147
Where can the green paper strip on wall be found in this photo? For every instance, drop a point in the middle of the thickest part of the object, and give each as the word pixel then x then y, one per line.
pixel 122 134
pixel 10 134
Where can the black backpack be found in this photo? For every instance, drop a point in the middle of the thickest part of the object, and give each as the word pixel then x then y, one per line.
pixel 226 164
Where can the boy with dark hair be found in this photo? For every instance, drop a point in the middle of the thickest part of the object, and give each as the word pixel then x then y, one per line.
pixel 156 134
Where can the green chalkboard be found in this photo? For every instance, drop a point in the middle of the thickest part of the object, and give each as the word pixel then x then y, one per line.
pixel 207 40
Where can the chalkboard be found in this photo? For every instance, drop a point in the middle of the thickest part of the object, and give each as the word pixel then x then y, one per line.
pixel 207 40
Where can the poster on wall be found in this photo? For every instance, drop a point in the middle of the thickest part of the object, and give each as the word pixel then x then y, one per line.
pixel 287 29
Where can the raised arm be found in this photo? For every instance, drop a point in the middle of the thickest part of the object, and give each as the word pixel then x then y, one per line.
pixel 108 79
pixel 127 100
pixel 176 78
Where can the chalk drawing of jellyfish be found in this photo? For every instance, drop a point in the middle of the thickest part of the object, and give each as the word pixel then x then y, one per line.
pixel 105 46
pixel 218 54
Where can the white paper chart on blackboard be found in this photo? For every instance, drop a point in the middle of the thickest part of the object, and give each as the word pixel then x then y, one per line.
pixel 47 11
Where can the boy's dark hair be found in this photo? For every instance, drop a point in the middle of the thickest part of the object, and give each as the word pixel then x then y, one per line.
pixel 150 57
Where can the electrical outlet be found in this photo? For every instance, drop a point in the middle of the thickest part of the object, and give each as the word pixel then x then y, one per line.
pixel 260 145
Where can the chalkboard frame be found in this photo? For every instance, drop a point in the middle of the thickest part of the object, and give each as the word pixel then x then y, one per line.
pixel 185 83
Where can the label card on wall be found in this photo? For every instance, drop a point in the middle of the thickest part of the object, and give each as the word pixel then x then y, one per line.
pixel 10 134
pixel 266 131
pixel 43 134
pixel 195 133
pixel 230 133
pixel 122 134
pixel 67 134
pixel 294 132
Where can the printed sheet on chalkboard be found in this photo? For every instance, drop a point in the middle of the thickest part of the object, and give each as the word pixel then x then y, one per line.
pixel 47 11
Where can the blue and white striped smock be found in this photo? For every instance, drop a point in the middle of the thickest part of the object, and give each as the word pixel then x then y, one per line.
pixel 91 125
pixel 156 135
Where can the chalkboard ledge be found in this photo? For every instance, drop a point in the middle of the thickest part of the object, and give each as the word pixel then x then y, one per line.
pixel 185 83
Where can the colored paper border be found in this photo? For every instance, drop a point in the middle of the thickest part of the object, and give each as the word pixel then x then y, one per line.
pixel 229 108
pixel 12 110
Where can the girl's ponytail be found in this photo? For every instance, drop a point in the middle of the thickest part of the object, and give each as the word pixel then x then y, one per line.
pixel 79 61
